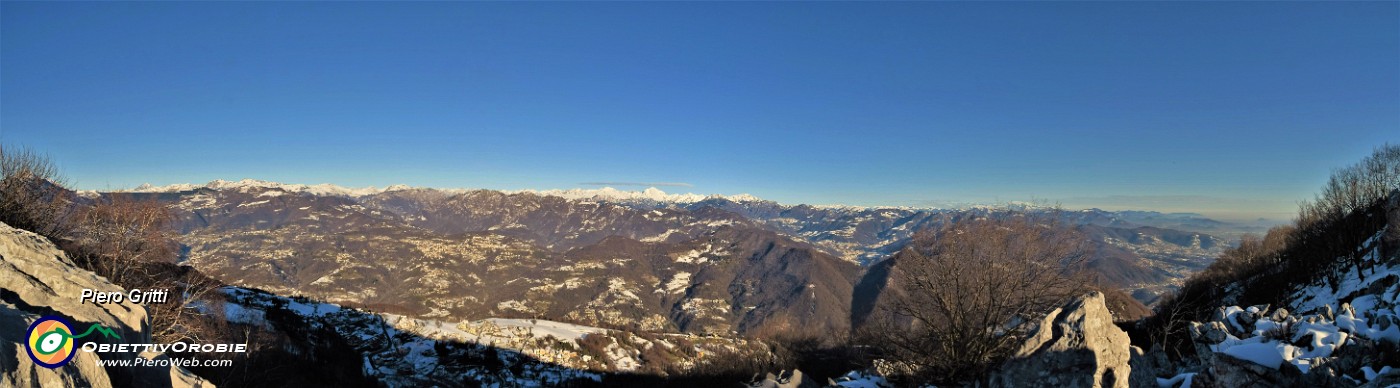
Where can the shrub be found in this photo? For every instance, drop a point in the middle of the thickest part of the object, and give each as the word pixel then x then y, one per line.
pixel 963 296
pixel 32 196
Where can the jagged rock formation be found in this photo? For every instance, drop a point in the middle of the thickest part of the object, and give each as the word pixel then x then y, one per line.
pixel 1076 345
pixel 37 279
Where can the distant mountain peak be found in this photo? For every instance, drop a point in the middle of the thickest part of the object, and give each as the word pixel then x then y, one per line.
pixel 649 194
pixel 246 184
pixel 609 194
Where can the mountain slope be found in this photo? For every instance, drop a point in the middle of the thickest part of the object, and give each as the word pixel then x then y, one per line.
pixel 483 254
pixel 645 260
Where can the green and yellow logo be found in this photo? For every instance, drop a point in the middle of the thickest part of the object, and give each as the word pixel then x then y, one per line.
pixel 51 340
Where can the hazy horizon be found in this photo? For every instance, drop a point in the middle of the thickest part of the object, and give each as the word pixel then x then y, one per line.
pixel 1232 110
pixel 1168 205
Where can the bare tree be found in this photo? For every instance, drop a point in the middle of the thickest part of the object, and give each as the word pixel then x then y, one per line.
pixel 184 317
pixel 965 295
pixel 129 241
pixel 1348 208
pixel 1392 235
pixel 119 232
pixel 118 236
pixel 31 193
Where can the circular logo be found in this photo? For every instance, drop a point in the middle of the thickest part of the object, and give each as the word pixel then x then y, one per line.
pixel 50 342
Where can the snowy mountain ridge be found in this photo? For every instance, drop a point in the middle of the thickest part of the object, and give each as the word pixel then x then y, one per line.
pixel 325 189
pixel 649 197
pixel 649 194
pixel 328 189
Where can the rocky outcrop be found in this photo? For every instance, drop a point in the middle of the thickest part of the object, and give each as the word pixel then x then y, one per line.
pixel 1076 345
pixel 1253 347
pixel 785 379
pixel 1228 371
pixel 36 280
pixel 1146 365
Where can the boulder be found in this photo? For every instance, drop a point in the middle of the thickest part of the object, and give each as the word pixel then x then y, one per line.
pixel 1384 322
pixel 1231 372
pixel 1388 379
pixel 1146 365
pixel 1076 345
pixel 1258 311
pixel 1211 333
pixel 36 280
pixel 794 379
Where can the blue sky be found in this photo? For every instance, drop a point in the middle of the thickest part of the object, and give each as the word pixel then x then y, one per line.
pixel 1232 109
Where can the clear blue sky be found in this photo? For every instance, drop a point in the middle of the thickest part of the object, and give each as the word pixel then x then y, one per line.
pixel 1232 109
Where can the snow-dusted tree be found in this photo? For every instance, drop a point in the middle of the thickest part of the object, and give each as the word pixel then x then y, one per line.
pixel 963 296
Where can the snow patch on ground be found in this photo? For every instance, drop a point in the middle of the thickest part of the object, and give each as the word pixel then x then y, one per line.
pixel 858 379
pixel 543 328
pixel 1184 379
pixel 1269 354
pixel 1358 307
pixel 694 256
pixel 677 284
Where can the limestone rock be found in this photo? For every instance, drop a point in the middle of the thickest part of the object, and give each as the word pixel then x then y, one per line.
pixel 1213 332
pixel 1146 366
pixel 1076 345
pixel 36 280
pixel 1228 371
pixel 794 379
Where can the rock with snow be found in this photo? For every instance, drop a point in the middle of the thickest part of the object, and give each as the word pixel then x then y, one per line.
pixel 1076 345
pixel 1229 371
pixel 859 379
pixel 785 379
pixel 1325 311
pixel 37 279
pixel 1386 377
pixel 1209 332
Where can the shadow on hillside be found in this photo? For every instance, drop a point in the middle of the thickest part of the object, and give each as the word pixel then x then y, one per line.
pixel 301 342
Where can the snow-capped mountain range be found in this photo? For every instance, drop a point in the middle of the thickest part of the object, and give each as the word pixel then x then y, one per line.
pixel 655 197
pixel 600 194
pixel 605 247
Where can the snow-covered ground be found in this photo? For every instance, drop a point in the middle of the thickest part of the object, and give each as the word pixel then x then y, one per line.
pixel 407 351
pixel 1358 308
pixel 862 380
